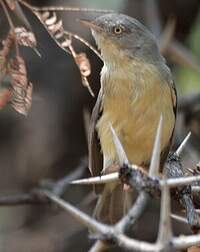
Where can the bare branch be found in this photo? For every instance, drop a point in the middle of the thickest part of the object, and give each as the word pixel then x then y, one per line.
pixel 135 245
pixel 85 42
pixel 134 213
pixel 61 8
pixel 83 218
pixel 22 199
pixel 165 228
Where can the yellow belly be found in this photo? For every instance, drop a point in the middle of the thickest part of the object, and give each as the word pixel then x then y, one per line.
pixel 135 119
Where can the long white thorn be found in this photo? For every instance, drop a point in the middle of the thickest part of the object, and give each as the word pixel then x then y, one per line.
pixel 181 181
pixel 155 159
pixel 119 148
pixel 97 180
pixel 165 228
pixel 183 144
pixel 179 218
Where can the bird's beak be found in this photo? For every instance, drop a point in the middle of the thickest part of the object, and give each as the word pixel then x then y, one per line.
pixel 90 24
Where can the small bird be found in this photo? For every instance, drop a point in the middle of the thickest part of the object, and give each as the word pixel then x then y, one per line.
pixel 136 88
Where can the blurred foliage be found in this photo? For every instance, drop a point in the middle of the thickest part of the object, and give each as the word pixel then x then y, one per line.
pixel 186 78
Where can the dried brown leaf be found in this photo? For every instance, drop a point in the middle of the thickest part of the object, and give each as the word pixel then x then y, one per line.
pixel 84 66
pixel 83 63
pixel 5 95
pixel 55 28
pixel 18 72
pixel 22 102
pixel 24 37
pixel 21 99
pixel 64 40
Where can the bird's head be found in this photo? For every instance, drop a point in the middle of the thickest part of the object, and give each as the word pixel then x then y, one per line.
pixel 119 35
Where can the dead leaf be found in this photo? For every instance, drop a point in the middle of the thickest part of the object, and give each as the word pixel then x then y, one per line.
pixel 83 63
pixel 25 38
pixel 21 99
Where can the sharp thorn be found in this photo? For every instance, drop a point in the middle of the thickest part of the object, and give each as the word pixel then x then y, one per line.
pixel 179 218
pixel 155 159
pixel 119 148
pixel 37 52
pixel 97 180
pixel 183 144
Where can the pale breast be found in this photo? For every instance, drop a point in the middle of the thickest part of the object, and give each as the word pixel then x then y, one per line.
pixel 133 105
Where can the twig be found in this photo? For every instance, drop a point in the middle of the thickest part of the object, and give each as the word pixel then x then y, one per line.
pixel 165 228
pixel 174 169
pixel 61 8
pixel 77 214
pixel 134 213
pixel 85 42
pixel 22 199
pixel 60 186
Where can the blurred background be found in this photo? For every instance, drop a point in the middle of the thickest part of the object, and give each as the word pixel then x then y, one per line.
pixel 51 141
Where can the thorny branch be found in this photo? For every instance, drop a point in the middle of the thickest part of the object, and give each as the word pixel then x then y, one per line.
pixel 137 179
pixel 107 235
pixel 148 185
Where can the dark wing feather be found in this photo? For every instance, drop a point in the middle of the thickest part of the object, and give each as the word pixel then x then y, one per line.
pixel 166 150
pixel 95 154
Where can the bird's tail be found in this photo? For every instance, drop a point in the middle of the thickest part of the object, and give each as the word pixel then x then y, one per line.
pixel 113 203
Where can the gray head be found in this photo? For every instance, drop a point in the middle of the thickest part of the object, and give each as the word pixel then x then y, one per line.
pixel 118 34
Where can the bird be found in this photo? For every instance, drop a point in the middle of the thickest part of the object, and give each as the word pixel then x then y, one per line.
pixel 137 87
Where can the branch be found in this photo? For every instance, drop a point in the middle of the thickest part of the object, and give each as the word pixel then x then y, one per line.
pixel 60 186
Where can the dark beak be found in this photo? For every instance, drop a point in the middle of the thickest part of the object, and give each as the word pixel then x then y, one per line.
pixel 90 24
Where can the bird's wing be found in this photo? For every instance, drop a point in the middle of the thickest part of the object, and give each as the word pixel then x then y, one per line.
pixel 174 96
pixel 95 154
pixel 166 150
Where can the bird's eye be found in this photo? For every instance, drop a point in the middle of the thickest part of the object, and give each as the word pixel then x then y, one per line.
pixel 118 29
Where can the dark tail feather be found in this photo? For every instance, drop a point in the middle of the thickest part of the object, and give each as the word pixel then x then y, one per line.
pixel 112 204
